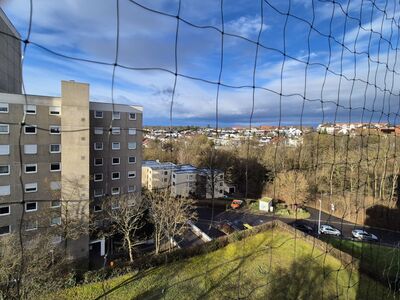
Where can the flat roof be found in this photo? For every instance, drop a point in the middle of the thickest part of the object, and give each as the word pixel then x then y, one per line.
pixel 56 101
pixel 153 164
pixel 10 25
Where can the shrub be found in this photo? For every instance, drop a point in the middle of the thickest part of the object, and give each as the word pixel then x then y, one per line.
pixel 70 280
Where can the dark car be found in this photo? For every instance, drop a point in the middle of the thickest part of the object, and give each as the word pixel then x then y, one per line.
pixel 303 227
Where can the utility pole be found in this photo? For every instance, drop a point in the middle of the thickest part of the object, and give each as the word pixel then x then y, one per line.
pixel 319 216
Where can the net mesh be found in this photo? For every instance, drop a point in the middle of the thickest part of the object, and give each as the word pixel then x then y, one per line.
pixel 285 63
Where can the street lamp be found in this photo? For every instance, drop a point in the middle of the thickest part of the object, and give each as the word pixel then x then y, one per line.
pixel 319 216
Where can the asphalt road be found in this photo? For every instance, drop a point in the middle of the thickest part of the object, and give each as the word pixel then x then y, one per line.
pixel 387 237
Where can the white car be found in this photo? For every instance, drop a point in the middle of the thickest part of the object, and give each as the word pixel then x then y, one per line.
pixel 363 235
pixel 328 229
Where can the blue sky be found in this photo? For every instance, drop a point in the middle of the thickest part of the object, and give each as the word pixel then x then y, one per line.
pixel 87 29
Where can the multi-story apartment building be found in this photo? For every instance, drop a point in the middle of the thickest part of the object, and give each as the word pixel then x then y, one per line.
pixel 64 152
pixel 209 181
pixel 10 57
pixel 157 175
pixel 182 180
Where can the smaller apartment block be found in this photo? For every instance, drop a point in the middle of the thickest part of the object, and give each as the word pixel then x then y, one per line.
pixel 64 152
pixel 182 180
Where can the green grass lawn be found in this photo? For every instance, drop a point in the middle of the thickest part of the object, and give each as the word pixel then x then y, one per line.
pixel 382 260
pixel 269 265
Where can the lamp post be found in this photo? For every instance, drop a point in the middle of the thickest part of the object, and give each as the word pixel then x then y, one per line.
pixel 319 216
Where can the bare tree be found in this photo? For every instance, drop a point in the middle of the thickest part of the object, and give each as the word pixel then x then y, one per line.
pixel 126 216
pixel 28 275
pixel 73 214
pixel 169 216
pixel 291 186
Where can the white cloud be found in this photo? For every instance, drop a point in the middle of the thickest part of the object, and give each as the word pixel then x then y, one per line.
pixel 246 26
pixel 148 40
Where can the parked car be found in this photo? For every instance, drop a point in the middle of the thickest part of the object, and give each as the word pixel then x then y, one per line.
pixel 303 227
pixel 236 204
pixel 329 230
pixel 362 235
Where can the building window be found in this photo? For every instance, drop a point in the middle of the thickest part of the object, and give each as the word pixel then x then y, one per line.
pixel 116 115
pixel 30 149
pixel 55 185
pixel 116 146
pixel 131 174
pixel 97 208
pixel 132 146
pixel 55 129
pixel 55 148
pixel 98 161
pixel 4 149
pixel 4 170
pixel 30 206
pixel 98 114
pixel 55 167
pixel 132 131
pixel 98 177
pixel 131 159
pixel 132 116
pixel 115 205
pixel 30 129
pixel 3 108
pixel 4 210
pixel 4 230
pixel 55 221
pixel 5 190
pixel 31 187
pixel 55 110
pixel 55 203
pixel 56 239
pixel 115 161
pixel 4 129
pixel 98 130
pixel 115 130
pixel 30 109
pixel 98 146
pixel 31 225
pixel 30 168
pixel 98 192
pixel 131 188
pixel 115 191
pixel 115 175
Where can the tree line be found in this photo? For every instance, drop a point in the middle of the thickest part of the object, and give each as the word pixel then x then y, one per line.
pixel 352 172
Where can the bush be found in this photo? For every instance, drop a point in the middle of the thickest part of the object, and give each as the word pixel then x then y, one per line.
pixel 95 276
pixel 237 236
pixel 70 280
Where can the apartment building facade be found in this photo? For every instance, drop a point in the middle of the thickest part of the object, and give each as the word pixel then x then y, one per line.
pixel 157 175
pixel 50 153
pixel 182 180
pixel 10 57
